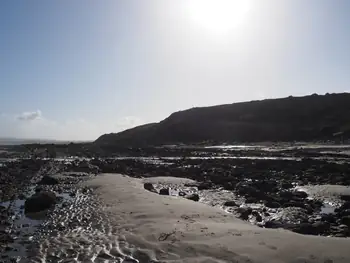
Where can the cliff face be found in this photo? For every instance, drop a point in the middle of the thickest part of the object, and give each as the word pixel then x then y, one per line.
pixel 288 119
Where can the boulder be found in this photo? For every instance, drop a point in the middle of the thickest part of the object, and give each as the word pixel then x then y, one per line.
pixel 345 220
pixel 320 227
pixel 204 186
pixel 149 187
pixel 303 228
pixel 286 185
pixel 345 197
pixel 40 201
pixel 257 216
pixel 193 197
pixel 244 212
pixel 230 203
pixel 164 191
pixel 273 224
pixel 182 194
pixel 48 180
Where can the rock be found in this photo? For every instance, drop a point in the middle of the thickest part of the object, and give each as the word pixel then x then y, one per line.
pixel 21 196
pixel 273 224
pixel 204 186
pixel 249 191
pixel 300 194
pixel 303 228
pixel 182 194
pixel 345 197
pixel 193 197
pixel 38 189
pixel 149 187
pixel 244 212
pixel 345 212
pixel 164 191
pixel 296 195
pixel 320 227
pixel 330 218
pixel 345 206
pixel 230 203
pixel 258 217
pixel 286 185
pixel 48 180
pixel 39 202
pixel 345 220
pixel 251 200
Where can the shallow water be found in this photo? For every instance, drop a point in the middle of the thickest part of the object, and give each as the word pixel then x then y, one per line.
pixel 328 209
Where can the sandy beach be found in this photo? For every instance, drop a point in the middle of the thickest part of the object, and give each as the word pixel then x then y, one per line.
pixel 170 229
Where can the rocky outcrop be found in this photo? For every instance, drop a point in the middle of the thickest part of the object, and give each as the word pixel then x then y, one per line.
pixel 48 180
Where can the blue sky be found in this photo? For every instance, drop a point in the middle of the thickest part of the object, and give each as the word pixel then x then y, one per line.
pixel 77 69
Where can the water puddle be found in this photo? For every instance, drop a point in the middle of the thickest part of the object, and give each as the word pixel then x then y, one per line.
pixel 23 226
pixel 328 209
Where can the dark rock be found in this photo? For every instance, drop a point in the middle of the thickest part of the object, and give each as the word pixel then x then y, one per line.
pixel 346 220
pixel 320 227
pixel 191 185
pixel 21 196
pixel 303 228
pixel 164 191
pixel 345 206
pixel 251 200
pixel 204 186
pixel 38 189
pixel 300 194
pixel 149 187
pixel 39 202
pixel 258 217
pixel 193 197
pixel 9 248
pixel 330 218
pixel 244 212
pixel 273 224
pixel 249 191
pixel 286 185
pixel 345 212
pixel 345 197
pixel 230 203
pixel 296 195
pixel 48 180
pixel 182 194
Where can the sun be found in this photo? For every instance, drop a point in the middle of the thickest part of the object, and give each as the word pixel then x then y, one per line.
pixel 219 16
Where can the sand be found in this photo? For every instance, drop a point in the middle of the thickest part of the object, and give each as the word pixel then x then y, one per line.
pixel 147 227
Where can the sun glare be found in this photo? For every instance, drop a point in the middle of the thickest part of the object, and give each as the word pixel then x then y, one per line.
pixel 219 16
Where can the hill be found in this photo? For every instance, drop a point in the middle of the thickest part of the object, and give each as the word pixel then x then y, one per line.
pixel 309 118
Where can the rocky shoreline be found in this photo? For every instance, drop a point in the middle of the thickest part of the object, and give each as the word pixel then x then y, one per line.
pixel 271 193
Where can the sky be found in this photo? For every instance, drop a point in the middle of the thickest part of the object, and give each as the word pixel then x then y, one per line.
pixel 74 70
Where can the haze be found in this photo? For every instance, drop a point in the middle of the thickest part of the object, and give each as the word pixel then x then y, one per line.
pixel 73 70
